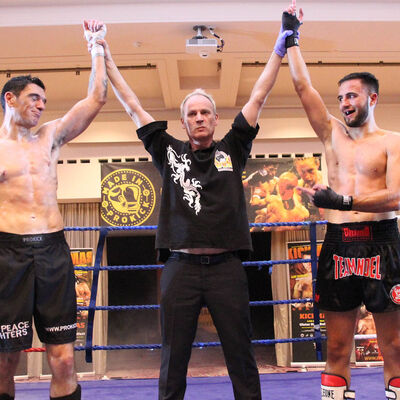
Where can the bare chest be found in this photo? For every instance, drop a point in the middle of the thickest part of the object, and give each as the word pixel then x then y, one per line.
pixel 23 159
pixel 358 159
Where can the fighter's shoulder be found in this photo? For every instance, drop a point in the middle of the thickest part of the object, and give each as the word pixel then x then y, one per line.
pixel 337 125
pixel 334 129
pixel 49 125
pixel 391 139
pixel 48 134
pixel 48 128
pixel 390 134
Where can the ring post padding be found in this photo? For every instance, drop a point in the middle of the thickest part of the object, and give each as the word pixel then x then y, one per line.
pixel 93 295
pixel 314 267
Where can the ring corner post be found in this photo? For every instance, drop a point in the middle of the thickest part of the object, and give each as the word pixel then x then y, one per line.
pixel 314 267
pixel 93 295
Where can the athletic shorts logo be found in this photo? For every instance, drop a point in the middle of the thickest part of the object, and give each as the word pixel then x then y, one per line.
pixel 369 267
pixel 16 330
pixel 356 235
pixel 127 198
pixel 395 294
pixel 32 239
pixel 222 161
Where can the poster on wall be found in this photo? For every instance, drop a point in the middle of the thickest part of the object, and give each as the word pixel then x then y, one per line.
pixel 270 189
pixel 302 314
pixel 83 287
pixel 366 350
pixel 130 194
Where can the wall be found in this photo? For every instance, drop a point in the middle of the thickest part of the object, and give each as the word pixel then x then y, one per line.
pixel 80 160
pixel 117 140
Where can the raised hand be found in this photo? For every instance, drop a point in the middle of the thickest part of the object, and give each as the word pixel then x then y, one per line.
pixel 94 32
pixel 291 22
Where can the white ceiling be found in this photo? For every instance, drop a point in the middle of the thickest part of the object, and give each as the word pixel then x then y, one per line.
pixel 148 38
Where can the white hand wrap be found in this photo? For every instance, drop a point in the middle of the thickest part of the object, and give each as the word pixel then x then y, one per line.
pixel 97 50
pixel 92 37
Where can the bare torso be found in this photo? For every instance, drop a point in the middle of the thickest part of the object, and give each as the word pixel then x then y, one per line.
pixel 358 166
pixel 28 183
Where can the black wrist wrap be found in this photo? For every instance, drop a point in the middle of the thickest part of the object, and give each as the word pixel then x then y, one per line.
pixel 327 198
pixel 292 40
pixel 291 23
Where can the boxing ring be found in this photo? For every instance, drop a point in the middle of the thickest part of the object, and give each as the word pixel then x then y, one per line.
pixel 277 386
pixel 97 268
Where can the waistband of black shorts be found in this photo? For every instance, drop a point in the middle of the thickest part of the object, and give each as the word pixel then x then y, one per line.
pixel 39 239
pixel 369 231
pixel 203 259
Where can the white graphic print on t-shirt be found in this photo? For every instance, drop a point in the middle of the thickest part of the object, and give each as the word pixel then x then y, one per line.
pixel 180 165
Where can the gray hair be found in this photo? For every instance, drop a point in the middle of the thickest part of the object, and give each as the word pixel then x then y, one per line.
pixel 200 92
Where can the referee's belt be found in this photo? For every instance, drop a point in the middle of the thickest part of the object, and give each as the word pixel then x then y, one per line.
pixel 203 259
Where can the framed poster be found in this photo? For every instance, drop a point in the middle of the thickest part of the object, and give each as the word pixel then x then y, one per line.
pixel 302 314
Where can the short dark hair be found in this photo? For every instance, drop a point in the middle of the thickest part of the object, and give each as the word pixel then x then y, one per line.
pixel 366 78
pixel 17 84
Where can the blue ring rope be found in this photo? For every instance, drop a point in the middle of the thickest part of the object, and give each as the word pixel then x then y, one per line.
pixel 154 227
pixel 157 306
pixel 159 266
pixel 196 344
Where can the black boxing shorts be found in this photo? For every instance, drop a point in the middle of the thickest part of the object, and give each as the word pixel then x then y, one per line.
pixel 37 278
pixel 360 263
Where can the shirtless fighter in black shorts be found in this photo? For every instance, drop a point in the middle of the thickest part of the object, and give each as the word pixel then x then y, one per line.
pixel 36 271
pixel 360 259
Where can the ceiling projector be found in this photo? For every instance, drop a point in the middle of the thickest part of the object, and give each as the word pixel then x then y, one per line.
pixel 201 44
